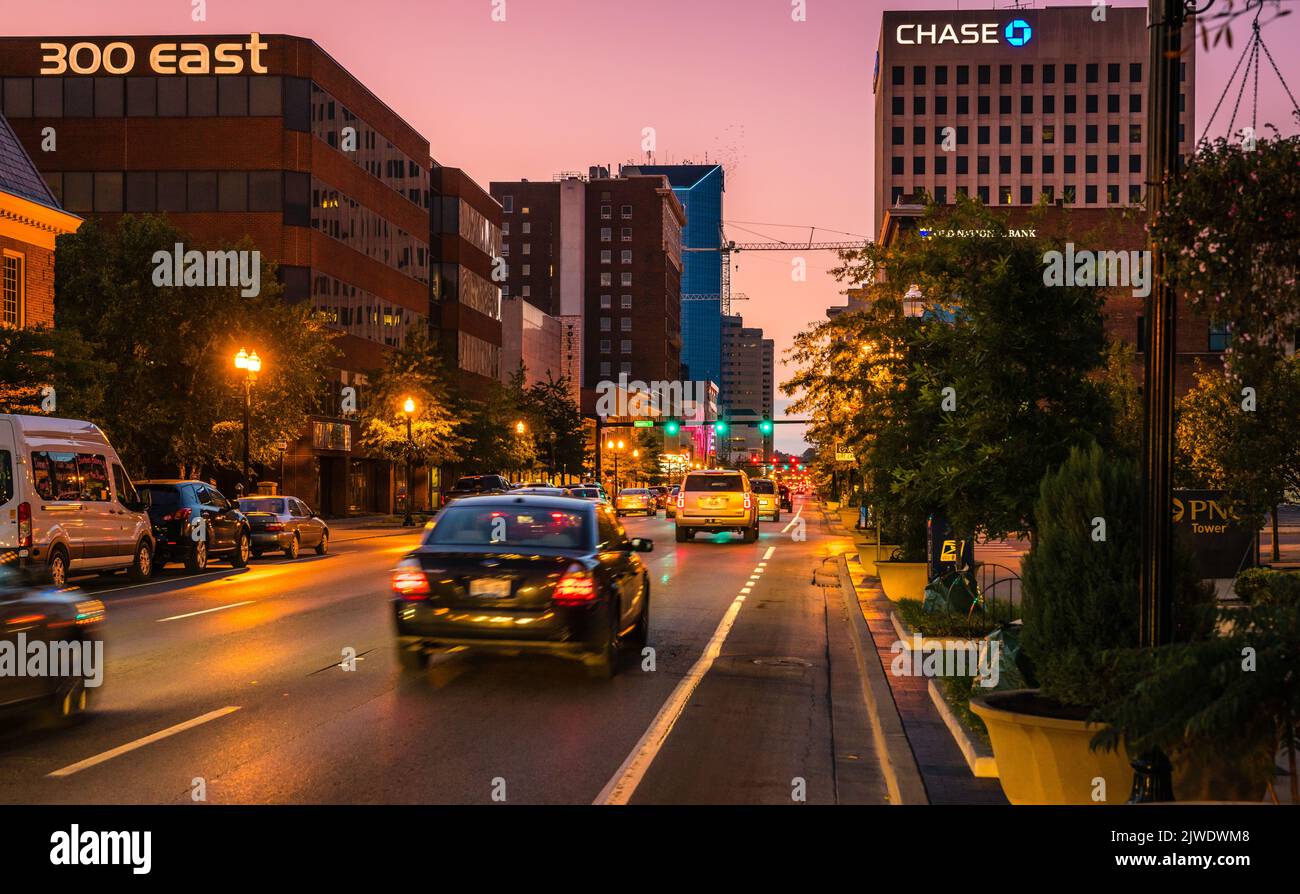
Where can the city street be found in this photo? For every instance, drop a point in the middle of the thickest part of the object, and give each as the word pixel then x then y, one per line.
pixel 247 664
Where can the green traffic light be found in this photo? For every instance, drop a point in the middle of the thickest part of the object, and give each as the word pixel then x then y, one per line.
pixel 720 427
pixel 672 427
pixel 765 426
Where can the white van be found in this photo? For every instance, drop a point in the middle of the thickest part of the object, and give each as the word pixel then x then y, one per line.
pixel 66 503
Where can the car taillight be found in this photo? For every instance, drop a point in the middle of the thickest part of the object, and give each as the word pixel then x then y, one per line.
pixel 681 499
pixel 577 587
pixel 274 526
pixel 409 581
pixel 180 515
pixel 24 525
pixel 747 501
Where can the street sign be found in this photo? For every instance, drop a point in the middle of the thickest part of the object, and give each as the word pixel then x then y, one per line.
pixel 643 423
pixel 1222 544
pixel 845 458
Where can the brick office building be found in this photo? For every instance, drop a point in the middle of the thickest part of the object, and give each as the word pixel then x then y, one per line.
pixel 264 136
pixel 30 220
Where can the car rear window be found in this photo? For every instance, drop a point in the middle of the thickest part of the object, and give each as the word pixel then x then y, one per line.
pixel 584 493
pixel 634 490
pixel 163 496
pixel 713 482
pixel 273 506
pixel 512 526
pixel 478 482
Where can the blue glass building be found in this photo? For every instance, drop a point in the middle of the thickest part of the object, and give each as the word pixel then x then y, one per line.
pixel 699 188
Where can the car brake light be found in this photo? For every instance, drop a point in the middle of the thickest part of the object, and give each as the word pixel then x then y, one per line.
pixel 681 499
pixel 577 587
pixel 409 581
pixel 746 501
pixel 274 526
pixel 179 515
pixel 24 525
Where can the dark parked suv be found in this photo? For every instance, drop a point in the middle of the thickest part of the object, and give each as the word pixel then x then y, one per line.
pixel 193 523
pixel 478 486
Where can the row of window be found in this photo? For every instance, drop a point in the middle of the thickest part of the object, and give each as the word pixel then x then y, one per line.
pixel 369 149
pixel 149 97
pixel 361 313
pixel 624 346
pixel 1028 195
pixel 1046 134
pixel 624 324
pixel 1047 72
pixel 11 290
pixel 140 192
pixel 624 278
pixel 341 217
pixel 1006 104
pixel 1046 164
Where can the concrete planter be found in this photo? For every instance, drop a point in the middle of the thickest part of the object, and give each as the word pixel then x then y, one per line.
pixel 1046 760
pixel 902 580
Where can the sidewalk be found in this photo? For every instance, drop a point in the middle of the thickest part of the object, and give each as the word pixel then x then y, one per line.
pixel 362 527
pixel 944 771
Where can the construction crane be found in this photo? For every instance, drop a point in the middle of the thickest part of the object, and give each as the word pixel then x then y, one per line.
pixel 727 247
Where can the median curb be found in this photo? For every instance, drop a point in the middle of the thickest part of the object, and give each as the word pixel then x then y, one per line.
pixel 894 750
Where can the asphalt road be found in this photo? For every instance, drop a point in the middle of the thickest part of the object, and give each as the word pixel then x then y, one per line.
pixel 230 682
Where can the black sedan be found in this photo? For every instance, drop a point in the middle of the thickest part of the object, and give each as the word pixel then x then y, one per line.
pixel 523 573
pixel 284 524
pixel 193 523
pixel 61 628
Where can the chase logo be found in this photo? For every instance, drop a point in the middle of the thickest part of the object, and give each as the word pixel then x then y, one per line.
pixel 1018 32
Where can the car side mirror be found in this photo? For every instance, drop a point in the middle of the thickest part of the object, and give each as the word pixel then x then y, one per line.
pixel 641 545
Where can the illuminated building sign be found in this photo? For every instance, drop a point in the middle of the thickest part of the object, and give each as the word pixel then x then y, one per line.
pixel 118 58
pixel 1017 33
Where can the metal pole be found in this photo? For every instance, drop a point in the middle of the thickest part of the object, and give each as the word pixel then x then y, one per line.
pixel 1162 312
pixel 248 427
pixel 408 521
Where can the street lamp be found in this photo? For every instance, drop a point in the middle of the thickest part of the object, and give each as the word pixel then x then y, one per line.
pixel 616 447
pixel 409 409
pixel 251 364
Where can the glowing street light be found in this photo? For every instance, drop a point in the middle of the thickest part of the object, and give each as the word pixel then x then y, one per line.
pixel 251 364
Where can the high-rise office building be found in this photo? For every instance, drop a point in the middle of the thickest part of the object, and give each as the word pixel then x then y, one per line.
pixel 748 361
pixel 700 190
pixel 1011 105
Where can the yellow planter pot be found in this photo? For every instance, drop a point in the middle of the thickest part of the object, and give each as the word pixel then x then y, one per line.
pixel 902 580
pixel 1046 760
pixel 868 555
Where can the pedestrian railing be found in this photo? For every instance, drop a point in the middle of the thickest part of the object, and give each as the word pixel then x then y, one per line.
pixel 1000 590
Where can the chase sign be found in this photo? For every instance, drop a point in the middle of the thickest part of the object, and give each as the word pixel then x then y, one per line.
pixel 1016 32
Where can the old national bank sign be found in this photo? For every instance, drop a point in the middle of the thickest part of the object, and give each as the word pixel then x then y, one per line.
pixel 164 58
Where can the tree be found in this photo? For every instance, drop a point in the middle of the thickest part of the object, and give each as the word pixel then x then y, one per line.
pixel 491 417
pixel 412 371
pixel 561 436
pixel 178 399
pixel 36 359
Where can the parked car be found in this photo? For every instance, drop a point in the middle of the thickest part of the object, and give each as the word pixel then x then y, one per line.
pixel 477 485
pixel 636 499
pixel 787 500
pixel 523 573
pixel 586 492
pixel 67 505
pixel 193 523
pixel 285 524
pixel 539 490
pixel 716 500
pixel 768 499
pixel 51 617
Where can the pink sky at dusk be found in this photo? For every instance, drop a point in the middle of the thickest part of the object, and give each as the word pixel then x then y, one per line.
pixel 564 84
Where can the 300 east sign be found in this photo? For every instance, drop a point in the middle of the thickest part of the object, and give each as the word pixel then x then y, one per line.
pixel 85 58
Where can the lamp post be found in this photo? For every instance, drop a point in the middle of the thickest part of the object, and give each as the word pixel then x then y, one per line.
pixel 251 364
pixel 408 408
pixel 615 447
pixel 636 454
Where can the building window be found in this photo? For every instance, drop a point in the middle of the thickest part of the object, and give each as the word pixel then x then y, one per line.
pixel 606 324
pixel 604 345
pixel 625 235
pixel 626 257
pixel 627 212
pixel 626 302
pixel 508 204
pixel 606 256
pixel 896 106
pixel 528 270
pixel 527 228
pixel 505 229
pixel 11 290
pixel 625 279
pixel 604 369
pixel 606 301
pixel 625 346
pixel 625 324
pixel 1218 338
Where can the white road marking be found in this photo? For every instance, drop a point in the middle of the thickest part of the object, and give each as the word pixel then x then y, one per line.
pixel 767 555
pixel 147 740
pixel 626 778
pixel 219 608
pixel 792 521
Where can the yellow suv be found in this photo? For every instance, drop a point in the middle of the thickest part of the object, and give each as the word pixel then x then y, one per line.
pixel 769 501
pixel 716 500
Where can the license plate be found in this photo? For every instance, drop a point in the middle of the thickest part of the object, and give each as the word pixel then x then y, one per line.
pixel 713 502
pixel 490 588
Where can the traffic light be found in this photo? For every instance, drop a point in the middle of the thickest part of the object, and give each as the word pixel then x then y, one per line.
pixel 672 428
pixel 720 427
pixel 765 427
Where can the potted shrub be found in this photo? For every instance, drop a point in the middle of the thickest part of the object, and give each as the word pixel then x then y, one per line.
pixel 1080 608
pixel 902 570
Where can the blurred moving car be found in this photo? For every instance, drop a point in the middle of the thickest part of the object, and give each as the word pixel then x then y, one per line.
pixel 586 492
pixel 769 501
pixel 193 522
pixel 787 499
pixel 670 502
pixel 540 490
pixel 66 502
pixel 477 485
pixel 661 495
pixel 52 623
pixel 636 499
pixel 285 524
pixel 540 574
pixel 716 500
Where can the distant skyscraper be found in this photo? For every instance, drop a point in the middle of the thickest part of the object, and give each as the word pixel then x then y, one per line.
pixel 700 189
pixel 748 361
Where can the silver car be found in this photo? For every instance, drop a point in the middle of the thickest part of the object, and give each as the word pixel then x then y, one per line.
pixel 285 524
